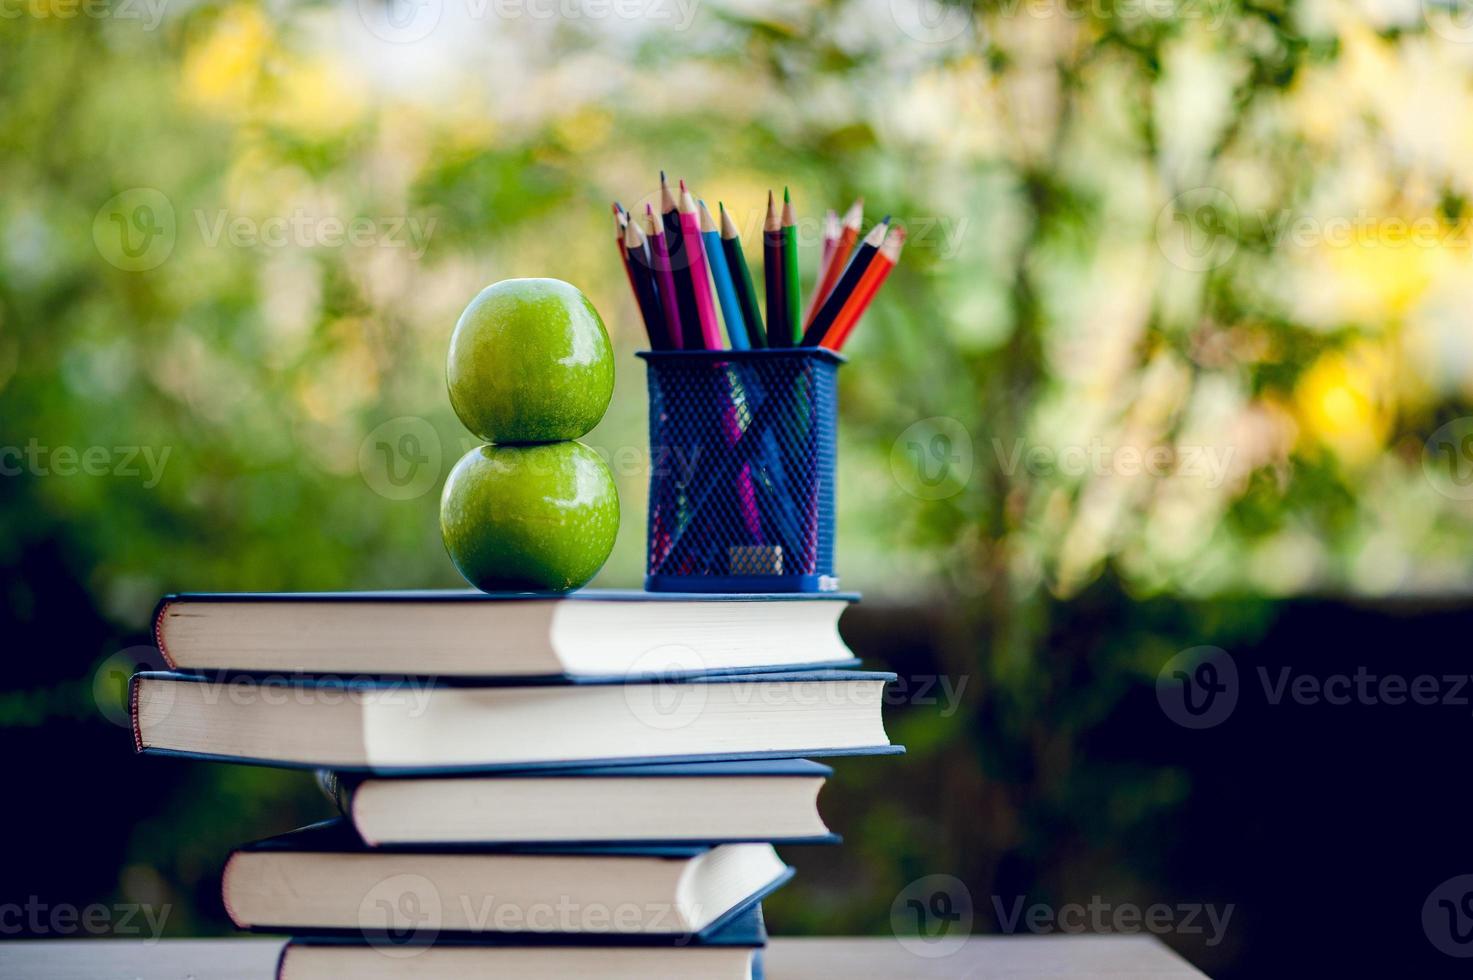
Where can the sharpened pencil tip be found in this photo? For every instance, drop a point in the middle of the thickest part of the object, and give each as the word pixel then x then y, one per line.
pixel 649 209
pixel 786 198
pixel 662 177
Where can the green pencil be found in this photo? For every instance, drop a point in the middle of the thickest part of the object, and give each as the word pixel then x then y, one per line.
pixel 741 276
pixel 790 271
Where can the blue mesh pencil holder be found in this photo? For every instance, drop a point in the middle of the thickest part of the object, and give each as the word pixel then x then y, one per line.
pixel 742 454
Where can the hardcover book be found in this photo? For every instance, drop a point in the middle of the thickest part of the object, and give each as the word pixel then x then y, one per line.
pixel 408 726
pixel 731 952
pixel 593 633
pixel 321 879
pixel 713 802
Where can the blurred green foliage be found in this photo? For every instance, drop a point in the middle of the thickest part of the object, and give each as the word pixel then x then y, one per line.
pixel 1225 237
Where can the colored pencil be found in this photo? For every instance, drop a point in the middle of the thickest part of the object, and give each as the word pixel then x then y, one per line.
pixel 779 332
pixel 790 270
pixel 848 235
pixel 621 221
pixel 845 288
pixel 685 293
pixel 731 307
pixel 741 278
pixel 690 229
pixel 873 278
pixel 642 280
pixel 660 259
pixel 830 241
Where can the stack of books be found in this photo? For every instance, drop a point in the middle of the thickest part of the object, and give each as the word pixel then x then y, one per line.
pixel 533 786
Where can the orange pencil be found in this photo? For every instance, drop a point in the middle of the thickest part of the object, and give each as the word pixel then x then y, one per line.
pixel 848 235
pixel 885 260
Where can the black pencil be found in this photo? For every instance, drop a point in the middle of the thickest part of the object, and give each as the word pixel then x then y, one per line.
pixel 863 256
pixel 685 293
pixel 779 332
pixel 642 278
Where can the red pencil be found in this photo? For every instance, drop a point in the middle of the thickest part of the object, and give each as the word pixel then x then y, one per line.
pixel 853 220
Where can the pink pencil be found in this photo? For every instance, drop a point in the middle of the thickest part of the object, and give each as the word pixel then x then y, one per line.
pixel 690 231
pixel 660 256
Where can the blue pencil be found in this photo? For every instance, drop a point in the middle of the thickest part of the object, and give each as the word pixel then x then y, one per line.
pixel 731 309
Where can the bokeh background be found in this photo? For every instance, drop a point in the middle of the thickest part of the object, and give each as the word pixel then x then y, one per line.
pixel 1180 354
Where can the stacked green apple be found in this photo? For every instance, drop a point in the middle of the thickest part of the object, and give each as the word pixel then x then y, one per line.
pixel 531 370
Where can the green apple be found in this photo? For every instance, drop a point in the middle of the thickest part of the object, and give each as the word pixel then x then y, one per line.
pixel 529 518
pixel 530 361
